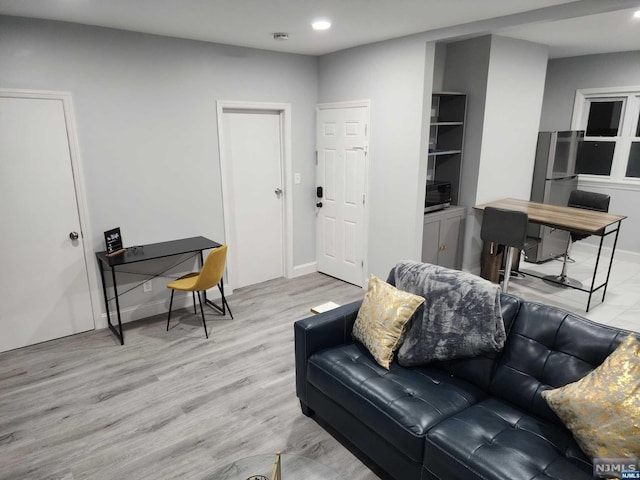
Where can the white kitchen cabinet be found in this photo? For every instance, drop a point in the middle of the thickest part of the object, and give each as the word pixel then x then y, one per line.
pixel 442 237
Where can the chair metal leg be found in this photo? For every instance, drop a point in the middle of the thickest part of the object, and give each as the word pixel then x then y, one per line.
pixel 562 280
pixel 170 305
pixel 193 294
pixel 204 324
pixel 563 273
pixel 514 273
pixel 507 270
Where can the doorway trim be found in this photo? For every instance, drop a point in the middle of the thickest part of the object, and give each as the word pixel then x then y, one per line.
pixel 367 191
pixel 80 191
pixel 284 111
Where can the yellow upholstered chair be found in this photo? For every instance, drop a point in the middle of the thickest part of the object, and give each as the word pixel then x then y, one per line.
pixel 208 277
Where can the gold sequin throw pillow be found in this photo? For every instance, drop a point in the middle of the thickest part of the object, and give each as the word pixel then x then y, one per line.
pixel 382 318
pixel 602 410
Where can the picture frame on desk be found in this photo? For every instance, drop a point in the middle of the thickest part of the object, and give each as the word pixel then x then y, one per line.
pixel 113 241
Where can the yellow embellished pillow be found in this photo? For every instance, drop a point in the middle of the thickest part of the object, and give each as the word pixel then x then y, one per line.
pixel 382 318
pixel 602 410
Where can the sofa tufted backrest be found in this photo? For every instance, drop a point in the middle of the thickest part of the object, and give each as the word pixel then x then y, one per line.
pixel 546 348
pixel 479 370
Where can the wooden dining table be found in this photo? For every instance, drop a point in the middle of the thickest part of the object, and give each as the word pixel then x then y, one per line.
pixel 577 220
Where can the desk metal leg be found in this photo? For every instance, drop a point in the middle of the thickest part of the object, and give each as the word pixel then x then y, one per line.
pixel 613 251
pixel 118 333
pixel 204 292
pixel 225 305
pixel 595 272
pixel 104 292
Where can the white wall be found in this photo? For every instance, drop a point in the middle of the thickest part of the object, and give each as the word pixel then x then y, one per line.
pixel 146 115
pixel 564 77
pixel 515 88
pixel 392 75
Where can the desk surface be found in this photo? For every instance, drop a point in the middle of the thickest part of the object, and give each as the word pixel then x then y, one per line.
pixel 157 250
pixel 565 218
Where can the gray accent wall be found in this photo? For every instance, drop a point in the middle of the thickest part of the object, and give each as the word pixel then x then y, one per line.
pixel 564 77
pixel 438 66
pixel 467 71
pixel 396 76
pixel 145 109
pixel 504 80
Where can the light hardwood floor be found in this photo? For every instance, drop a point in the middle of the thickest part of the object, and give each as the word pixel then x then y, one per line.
pixel 168 404
pixel 176 405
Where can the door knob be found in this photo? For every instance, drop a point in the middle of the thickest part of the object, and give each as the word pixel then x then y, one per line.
pixel 74 235
pixel 278 191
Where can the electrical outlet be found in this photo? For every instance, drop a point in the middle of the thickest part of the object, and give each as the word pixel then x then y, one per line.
pixel 147 286
pixel 297 178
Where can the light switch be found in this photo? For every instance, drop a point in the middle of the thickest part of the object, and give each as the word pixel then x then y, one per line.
pixel 297 178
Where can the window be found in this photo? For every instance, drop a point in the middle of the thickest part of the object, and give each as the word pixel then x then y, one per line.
pixel 611 121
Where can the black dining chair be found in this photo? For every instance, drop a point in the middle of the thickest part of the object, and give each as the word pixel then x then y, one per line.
pixel 598 202
pixel 508 228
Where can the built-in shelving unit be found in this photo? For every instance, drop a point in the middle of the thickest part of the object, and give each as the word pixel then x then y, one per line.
pixel 446 137
pixel 443 230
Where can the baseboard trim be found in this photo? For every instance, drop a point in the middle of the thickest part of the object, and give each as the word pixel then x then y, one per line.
pixel 304 269
pixel 619 255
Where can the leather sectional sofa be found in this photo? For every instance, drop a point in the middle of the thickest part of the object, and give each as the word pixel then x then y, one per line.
pixel 476 418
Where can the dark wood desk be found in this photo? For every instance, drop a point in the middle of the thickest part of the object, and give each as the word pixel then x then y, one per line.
pixel 144 253
pixel 572 219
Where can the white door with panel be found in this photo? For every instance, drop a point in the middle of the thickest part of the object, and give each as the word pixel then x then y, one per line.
pixel 44 289
pixel 253 150
pixel 342 145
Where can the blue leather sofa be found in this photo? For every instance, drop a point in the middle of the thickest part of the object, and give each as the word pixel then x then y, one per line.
pixel 477 418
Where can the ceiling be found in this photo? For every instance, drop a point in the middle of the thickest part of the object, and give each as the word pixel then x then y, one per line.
pixel 601 25
pixel 617 31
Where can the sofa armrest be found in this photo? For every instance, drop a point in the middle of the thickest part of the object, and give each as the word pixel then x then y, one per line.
pixel 319 332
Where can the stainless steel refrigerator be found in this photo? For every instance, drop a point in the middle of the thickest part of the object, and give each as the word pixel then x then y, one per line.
pixel 554 178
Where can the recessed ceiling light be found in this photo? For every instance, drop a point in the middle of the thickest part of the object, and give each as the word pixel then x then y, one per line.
pixel 321 24
pixel 637 14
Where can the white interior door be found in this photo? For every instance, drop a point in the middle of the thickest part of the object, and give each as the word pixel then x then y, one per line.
pixel 253 144
pixel 44 290
pixel 342 145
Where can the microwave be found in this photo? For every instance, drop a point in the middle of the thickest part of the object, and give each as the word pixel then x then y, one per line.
pixel 438 196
